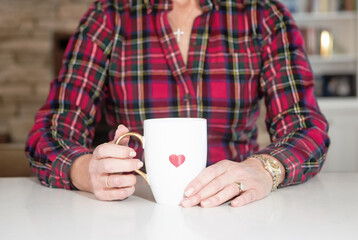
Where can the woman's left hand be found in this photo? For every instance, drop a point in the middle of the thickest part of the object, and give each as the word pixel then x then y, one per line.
pixel 218 184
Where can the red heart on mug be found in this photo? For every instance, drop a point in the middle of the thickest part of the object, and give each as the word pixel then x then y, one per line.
pixel 177 160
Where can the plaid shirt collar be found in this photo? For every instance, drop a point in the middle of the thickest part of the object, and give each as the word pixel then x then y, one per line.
pixel 206 5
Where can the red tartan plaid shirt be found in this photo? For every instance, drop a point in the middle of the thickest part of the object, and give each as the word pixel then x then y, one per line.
pixel 124 56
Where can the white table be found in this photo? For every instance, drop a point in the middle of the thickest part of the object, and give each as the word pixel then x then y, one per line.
pixel 326 207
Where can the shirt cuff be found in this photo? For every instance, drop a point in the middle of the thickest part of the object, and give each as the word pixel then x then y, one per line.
pixel 60 175
pixel 291 163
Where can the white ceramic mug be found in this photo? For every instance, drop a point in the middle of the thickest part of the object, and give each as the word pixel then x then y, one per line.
pixel 175 151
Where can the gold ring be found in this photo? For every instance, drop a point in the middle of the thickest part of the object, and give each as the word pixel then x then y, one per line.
pixel 107 185
pixel 240 186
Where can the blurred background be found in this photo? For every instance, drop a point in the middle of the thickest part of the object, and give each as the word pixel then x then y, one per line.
pixel 33 37
pixel 34 34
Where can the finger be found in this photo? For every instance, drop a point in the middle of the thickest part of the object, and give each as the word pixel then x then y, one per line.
pixel 209 190
pixel 121 129
pixel 246 197
pixel 224 195
pixel 119 181
pixel 206 176
pixel 112 165
pixel 115 193
pixel 110 150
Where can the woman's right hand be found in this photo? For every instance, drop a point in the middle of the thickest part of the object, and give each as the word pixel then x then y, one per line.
pixel 107 169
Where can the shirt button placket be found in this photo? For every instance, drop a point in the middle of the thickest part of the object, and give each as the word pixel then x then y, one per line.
pixel 187 98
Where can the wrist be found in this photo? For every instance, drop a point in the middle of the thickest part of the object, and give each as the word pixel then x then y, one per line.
pixel 258 165
pixel 79 173
pixel 273 167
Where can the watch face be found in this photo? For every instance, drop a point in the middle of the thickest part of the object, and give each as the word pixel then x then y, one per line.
pixel 273 164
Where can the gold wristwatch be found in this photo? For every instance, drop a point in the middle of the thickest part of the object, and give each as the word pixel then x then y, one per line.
pixel 272 167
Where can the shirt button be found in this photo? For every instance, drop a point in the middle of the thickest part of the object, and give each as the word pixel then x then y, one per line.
pixel 187 97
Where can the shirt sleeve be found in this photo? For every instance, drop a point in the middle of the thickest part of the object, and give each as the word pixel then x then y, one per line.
pixel 297 128
pixel 64 126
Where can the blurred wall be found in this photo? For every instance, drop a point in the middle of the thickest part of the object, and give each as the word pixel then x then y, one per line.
pixel 27 29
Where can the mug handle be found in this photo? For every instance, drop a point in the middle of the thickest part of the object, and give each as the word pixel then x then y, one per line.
pixel 140 137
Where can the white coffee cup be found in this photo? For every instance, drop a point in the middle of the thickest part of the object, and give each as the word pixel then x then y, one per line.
pixel 175 151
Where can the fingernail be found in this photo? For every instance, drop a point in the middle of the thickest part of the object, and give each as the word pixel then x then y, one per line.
pixel 186 202
pixel 189 192
pixel 140 164
pixel 132 153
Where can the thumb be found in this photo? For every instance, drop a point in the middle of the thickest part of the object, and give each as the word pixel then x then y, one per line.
pixel 121 129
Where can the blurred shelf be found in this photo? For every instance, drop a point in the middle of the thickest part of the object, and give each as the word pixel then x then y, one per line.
pixel 338 103
pixel 335 58
pixel 336 64
pixel 325 16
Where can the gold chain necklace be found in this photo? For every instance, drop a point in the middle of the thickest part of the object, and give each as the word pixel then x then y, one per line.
pixel 179 32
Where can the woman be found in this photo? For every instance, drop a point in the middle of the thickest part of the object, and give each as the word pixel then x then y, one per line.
pixel 183 58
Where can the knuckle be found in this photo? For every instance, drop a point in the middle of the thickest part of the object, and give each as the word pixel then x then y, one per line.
pixel 254 196
pixel 117 181
pixel 128 165
pixel 249 197
pixel 107 166
pixel 225 162
pixel 246 198
pixel 217 185
pixel 120 152
pixel 92 169
pixel 123 152
pixel 125 180
pixel 100 195
pixel 100 150
pixel 198 184
pixel 237 172
pixel 234 189
pixel 212 170
pixel 216 199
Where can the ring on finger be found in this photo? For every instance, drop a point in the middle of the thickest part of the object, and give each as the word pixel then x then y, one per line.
pixel 107 185
pixel 240 186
